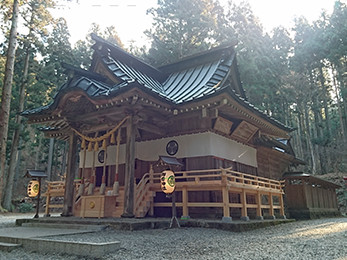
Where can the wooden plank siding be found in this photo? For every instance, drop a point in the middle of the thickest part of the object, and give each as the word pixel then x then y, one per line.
pixel 309 197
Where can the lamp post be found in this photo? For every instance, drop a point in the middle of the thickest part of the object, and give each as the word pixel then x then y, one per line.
pixel 34 186
pixel 168 185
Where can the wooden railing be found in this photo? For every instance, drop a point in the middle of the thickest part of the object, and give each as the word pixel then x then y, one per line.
pixel 227 181
pixel 143 196
pixel 54 189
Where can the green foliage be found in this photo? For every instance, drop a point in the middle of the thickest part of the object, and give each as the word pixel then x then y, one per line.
pixel 182 28
pixel 25 207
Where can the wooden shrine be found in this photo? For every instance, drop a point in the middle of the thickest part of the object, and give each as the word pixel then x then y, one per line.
pixel 124 114
pixel 310 197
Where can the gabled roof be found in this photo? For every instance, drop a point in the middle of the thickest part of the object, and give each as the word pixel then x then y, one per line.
pixel 194 78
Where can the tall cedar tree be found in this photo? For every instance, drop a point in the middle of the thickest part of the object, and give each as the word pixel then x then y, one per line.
pixel 38 18
pixel 182 28
pixel 6 92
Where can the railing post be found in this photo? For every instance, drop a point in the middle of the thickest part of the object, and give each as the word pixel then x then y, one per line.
pixel 151 173
pixel 185 212
pixel 282 215
pixel 259 214
pixel 48 200
pixel 244 206
pixel 225 194
pixel 151 182
pixel 271 203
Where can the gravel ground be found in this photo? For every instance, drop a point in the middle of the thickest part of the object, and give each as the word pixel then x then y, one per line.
pixel 312 239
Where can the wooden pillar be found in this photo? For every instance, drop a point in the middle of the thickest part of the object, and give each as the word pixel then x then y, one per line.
pixel 259 213
pixel 48 202
pixel 185 212
pixel 70 176
pixel 225 195
pixel 271 210
pixel 244 206
pixel 282 206
pixel 151 182
pixel 129 185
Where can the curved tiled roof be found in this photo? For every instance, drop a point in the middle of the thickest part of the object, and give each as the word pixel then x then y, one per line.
pixel 190 79
pixel 129 74
pixel 196 82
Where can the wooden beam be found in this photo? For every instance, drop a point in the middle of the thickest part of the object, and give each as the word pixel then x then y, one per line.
pixel 271 204
pixel 185 212
pixel 244 205
pixel 258 200
pixel 129 186
pixel 151 128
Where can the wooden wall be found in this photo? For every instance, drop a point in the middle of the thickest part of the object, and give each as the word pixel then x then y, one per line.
pixel 271 163
pixel 305 199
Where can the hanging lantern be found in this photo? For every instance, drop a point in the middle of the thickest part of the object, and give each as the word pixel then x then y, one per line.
pixel 167 181
pixel 33 188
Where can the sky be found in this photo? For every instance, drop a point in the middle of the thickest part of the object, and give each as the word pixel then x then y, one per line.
pixel 130 19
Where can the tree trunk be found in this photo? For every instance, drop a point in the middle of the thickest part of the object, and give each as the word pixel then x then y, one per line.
pixel 7 92
pixel 16 136
pixel 309 142
pixel 327 134
pixel 50 159
pixel 300 135
pixel 37 154
pixel 339 107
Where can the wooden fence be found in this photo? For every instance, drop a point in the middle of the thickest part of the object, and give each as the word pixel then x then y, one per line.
pixel 267 194
pixel 252 192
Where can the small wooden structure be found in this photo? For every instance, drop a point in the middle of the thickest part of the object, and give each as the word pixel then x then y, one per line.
pixel 310 197
pixel 125 113
pixel 55 189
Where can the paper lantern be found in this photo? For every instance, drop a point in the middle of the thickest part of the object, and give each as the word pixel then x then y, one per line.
pixel 167 181
pixel 33 188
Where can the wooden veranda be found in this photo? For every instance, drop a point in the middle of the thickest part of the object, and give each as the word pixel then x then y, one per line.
pixel 230 189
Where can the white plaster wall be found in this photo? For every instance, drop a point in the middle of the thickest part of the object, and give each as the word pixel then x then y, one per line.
pixel 201 144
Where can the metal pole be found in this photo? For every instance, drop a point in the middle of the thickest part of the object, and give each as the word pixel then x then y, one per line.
pixel 38 200
pixel 174 221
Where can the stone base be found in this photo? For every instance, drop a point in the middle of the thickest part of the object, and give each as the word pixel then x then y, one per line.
pixel 313 213
pixel 259 218
pixel 282 217
pixel 245 218
pixel 269 217
pixel 127 215
pixel 227 219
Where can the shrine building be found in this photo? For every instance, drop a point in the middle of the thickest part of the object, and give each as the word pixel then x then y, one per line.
pixel 126 121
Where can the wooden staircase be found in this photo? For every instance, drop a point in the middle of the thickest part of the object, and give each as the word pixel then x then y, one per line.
pixel 100 206
pixel 144 197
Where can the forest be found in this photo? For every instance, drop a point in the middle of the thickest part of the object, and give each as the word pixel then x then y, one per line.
pixel 296 75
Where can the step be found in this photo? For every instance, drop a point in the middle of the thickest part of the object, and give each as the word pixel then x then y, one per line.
pixel 87 249
pixel 8 247
pixel 65 226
